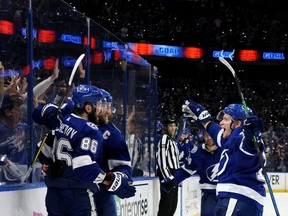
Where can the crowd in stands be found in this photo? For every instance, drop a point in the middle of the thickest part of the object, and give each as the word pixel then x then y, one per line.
pixel 206 23
pixel 266 98
pixel 210 24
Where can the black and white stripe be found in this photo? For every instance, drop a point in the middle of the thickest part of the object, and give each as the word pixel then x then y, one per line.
pixel 167 156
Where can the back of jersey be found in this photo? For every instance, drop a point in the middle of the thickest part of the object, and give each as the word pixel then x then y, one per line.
pixel 76 139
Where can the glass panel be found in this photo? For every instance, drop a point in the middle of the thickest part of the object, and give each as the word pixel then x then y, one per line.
pixel 60 35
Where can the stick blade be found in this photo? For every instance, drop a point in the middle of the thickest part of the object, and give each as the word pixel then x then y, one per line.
pixel 227 64
pixel 77 63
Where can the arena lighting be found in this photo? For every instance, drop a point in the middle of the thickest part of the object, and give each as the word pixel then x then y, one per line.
pixel 273 56
pixel 198 53
pixel 223 53
pixel 248 55
pixel 113 45
pixel 133 57
pixel 141 48
pixel 37 64
pixel 26 70
pixel 6 27
pixel 117 55
pixel 92 42
pixel 68 61
pixel 49 63
pixel 46 36
pixel 97 58
pixel 71 38
pixel 167 51
pixel 193 52
pixel 24 33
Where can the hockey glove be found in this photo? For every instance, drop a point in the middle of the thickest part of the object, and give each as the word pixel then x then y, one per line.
pixel 253 127
pixel 171 182
pixel 120 185
pixel 196 111
pixel 47 115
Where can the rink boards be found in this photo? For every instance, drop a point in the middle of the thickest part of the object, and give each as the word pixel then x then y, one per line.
pixel 29 199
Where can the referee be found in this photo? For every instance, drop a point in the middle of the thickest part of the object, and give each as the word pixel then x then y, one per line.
pixel 168 163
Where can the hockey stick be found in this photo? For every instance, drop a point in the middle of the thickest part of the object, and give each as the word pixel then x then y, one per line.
pixel 184 120
pixel 226 63
pixel 178 126
pixel 76 65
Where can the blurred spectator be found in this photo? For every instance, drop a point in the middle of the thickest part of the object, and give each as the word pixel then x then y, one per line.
pixel 13 141
pixel 134 144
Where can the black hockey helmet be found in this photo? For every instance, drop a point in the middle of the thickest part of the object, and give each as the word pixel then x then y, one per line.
pixel 169 120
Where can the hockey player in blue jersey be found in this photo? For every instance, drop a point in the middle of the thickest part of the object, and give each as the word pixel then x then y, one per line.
pixel 207 154
pixel 115 157
pixel 184 146
pixel 201 154
pixel 72 157
pixel 240 188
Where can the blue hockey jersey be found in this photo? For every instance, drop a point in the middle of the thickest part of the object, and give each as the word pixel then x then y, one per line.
pixel 13 143
pixel 239 173
pixel 208 167
pixel 115 155
pixel 78 143
pixel 185 148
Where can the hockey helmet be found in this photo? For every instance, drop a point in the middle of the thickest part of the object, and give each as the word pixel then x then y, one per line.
pixel 237 111
pixel 86 93
pixel 108 98
pixel 169 120
pixel 106 95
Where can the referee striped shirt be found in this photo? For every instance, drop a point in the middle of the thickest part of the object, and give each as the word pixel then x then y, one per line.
pixel 167 156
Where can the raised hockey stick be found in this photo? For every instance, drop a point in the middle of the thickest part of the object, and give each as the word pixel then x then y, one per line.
pixel 184 126
pixel 76 65
pixel 227 64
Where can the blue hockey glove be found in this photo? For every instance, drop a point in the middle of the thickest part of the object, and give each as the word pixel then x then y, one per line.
pixel 253 126
pixel 171 182
pixel 168 184
pixel 49 116
pixel 120 185
pixel 196 111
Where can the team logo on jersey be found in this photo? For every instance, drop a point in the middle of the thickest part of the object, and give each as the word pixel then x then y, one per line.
pixel 195 148
pixel 211 172
pixel 82 89
pixel 92 125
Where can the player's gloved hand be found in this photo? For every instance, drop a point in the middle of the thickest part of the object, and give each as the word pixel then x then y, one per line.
pixel 51 116
pixel 67 107
pixel 195 111
pixel 187 112
pixel 47 115
pixel 172 182
pixel 253 127
pixel 120 185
